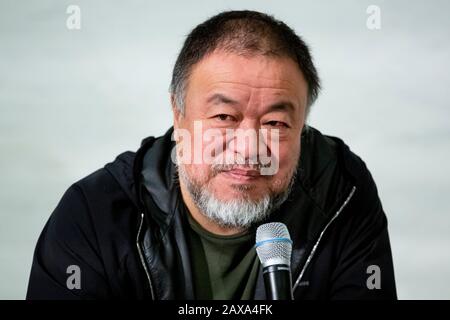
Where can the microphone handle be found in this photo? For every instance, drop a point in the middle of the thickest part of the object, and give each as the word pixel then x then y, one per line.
pixel 278 282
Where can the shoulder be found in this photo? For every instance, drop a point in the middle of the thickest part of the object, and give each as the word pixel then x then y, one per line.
pixel 335 150
pixel 98 205
pixel 340 166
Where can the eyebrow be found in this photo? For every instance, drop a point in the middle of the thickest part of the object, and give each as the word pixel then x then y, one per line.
pixel 279 106
pixel 282 106
pixel 221 98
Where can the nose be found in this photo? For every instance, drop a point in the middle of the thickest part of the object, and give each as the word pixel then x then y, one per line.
pixel 245 142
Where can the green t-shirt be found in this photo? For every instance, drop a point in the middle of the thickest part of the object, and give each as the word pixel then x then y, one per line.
pixel 224 267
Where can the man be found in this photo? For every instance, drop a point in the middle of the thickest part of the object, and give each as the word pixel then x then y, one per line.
pixel 166 223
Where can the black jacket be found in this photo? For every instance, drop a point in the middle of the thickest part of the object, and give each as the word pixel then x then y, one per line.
pixel 122 227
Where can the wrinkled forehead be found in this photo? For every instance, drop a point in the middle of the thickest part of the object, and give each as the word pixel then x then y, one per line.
pixel 271 74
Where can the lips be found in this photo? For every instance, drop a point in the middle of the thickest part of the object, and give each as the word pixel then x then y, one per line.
pixel 242 174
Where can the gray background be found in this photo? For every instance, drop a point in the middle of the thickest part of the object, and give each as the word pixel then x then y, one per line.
pixel 70 101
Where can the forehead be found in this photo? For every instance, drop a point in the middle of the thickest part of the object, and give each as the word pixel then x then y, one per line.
pixel 271 75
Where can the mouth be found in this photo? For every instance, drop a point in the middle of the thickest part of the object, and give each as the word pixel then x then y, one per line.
pixel 242 175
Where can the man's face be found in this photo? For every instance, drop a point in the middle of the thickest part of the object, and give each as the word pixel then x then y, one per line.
pixel 230 91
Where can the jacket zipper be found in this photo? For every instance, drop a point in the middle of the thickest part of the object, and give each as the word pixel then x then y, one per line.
pixel 313 251
pixel 141 256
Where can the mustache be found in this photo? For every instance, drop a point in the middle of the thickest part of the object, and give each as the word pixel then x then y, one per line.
pixel 218 168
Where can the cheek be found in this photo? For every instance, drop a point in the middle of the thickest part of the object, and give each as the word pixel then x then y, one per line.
pixel 288 160
pixel 200 172
pixel 288 156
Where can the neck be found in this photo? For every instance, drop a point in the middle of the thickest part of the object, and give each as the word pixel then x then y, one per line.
pixel 204 221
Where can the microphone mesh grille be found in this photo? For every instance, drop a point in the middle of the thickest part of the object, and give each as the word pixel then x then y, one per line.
pixel 276 252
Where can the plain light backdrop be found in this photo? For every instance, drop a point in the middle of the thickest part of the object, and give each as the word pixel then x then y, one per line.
pixel 72 100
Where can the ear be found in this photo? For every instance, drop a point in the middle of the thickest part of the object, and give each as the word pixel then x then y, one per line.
pixel 176 112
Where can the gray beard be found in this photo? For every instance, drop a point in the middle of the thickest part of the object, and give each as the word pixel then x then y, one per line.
pixel 237 213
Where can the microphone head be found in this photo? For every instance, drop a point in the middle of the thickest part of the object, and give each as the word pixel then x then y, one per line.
pixel 273 244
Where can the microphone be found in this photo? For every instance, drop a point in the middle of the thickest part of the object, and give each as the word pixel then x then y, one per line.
pixel 274 248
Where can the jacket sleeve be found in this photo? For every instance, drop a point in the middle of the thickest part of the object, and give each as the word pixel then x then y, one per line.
pixel 67 261
pixel 364 268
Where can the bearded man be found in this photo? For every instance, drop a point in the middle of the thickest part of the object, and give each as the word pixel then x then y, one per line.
pixel 177 218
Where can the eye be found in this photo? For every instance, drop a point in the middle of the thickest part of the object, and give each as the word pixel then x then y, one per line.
pixel 224 117
pixel 275 123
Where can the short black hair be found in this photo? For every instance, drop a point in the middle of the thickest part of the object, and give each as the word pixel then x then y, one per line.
pixel 247 33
